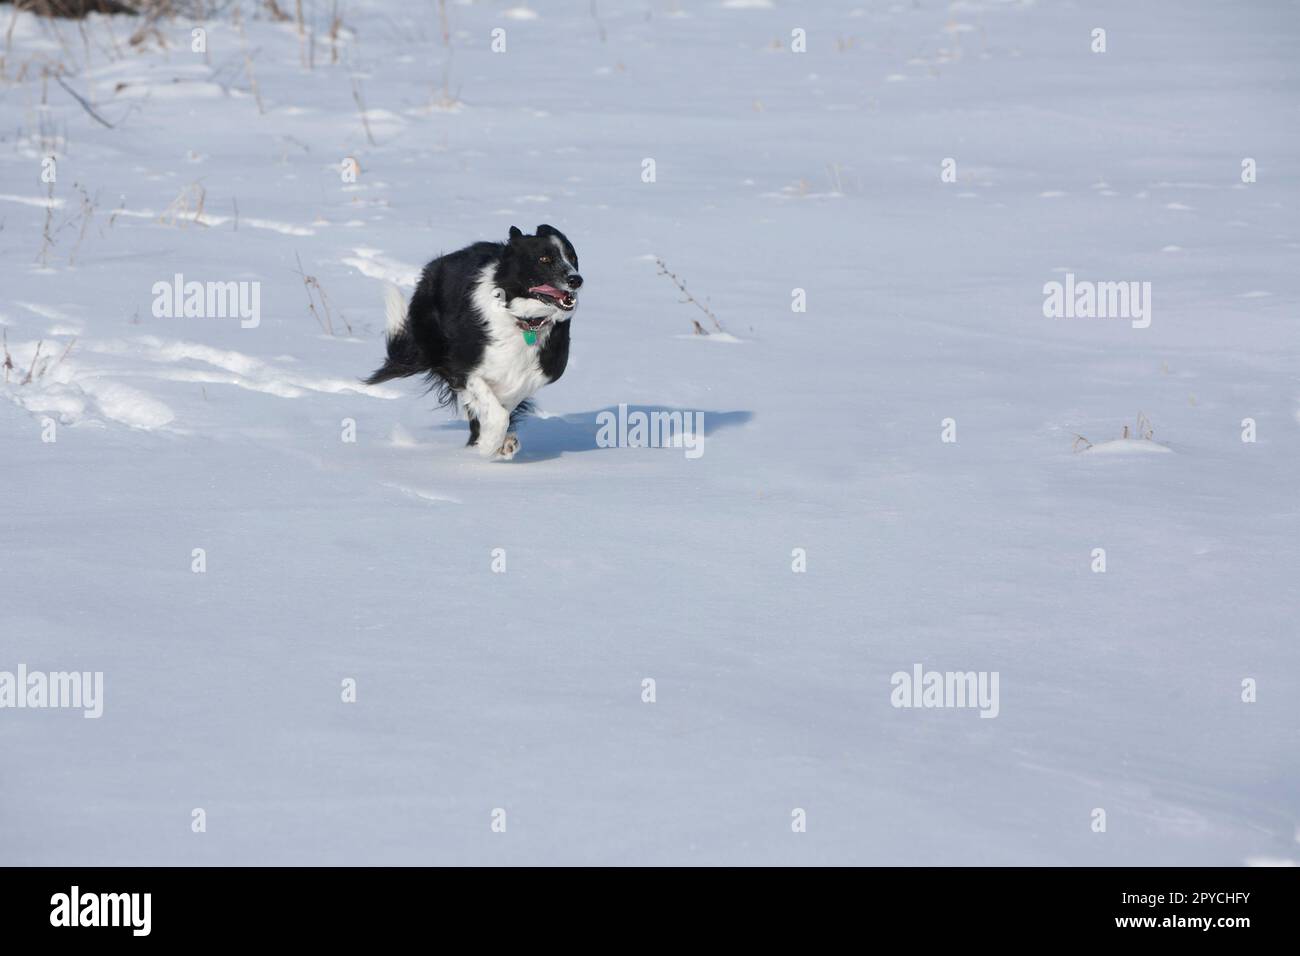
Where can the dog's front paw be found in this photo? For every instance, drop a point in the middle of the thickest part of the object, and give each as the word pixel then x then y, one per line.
pixel 509 447
pixel 489 446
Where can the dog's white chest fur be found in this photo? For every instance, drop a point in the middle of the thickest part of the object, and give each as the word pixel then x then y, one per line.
pixel 510 365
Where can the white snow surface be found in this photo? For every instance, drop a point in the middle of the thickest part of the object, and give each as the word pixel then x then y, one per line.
pixel 372 560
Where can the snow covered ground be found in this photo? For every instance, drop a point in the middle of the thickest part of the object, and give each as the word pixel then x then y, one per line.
pixel 477 690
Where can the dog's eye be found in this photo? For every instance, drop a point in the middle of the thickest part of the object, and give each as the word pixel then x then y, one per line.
pixel 545 259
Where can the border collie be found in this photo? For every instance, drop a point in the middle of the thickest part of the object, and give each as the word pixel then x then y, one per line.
pixel 488 326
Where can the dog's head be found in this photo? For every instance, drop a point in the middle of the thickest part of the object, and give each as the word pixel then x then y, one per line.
pixel 539 276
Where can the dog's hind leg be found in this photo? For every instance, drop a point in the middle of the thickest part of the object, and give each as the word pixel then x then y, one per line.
pixel 492 418
pixel 473 431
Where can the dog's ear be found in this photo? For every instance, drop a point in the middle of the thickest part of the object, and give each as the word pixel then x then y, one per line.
pixel 545 230
pixel 515 233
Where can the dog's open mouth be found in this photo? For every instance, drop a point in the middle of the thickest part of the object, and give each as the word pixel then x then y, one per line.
pixel 549 293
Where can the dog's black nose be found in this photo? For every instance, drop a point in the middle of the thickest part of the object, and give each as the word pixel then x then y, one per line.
pixel 575 281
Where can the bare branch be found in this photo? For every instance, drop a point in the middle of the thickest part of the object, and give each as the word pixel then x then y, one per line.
pixel 690 299
pixel 84 105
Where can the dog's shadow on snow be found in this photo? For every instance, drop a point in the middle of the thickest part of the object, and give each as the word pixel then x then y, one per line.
pixel 546 438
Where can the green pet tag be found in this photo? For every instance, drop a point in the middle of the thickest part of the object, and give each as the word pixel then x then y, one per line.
pixel 530 336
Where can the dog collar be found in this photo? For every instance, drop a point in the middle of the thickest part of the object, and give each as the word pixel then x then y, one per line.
pixel 529 332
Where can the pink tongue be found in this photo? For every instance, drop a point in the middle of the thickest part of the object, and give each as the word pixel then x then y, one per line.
pixel 547 290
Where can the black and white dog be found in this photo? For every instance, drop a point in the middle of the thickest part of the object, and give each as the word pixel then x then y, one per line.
pixel 488 326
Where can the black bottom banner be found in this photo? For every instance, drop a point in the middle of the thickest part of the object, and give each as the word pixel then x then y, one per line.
pixel 188 905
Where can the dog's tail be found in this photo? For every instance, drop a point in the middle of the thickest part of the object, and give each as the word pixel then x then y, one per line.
pixel 404 356
pixel 394 310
